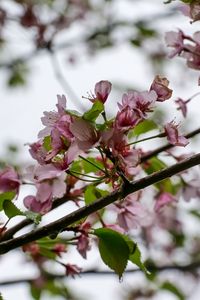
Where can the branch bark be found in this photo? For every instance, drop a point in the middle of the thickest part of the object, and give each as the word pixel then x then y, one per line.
pixel 52 229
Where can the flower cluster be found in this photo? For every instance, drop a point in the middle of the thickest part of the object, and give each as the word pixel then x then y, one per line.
pixel 185 46
pixel 67 136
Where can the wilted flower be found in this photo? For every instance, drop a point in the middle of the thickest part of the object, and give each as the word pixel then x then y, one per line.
pixel 160 86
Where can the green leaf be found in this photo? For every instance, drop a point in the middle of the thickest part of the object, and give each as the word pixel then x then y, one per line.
pixel 47 253
pixel 35 292
pixel 135 258
pixel 6 196
pixel 11 210
pixel 92 193
pixel 47 143
pixel 166 185
pixel 195 213
pixel 143 127
pixel 18 74
pixel 173 289
pixel 46 242
pixel 113 249
pixel 1 297
pixel 76 166
pixel 36 218
pixel 73 113
pixel 94 112
pixel 135 254
pixel 90 167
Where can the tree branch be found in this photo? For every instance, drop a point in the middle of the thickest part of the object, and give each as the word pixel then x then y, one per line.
pixel 52 229
pixel 10 232
pixel 50 276
pixel 166 147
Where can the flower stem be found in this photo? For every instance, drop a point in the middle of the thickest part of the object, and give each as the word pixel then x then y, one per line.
pixel 148 138
pixel 85 159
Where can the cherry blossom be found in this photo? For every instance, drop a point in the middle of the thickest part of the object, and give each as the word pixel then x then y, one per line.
pixel 84 133
pixel 163 200
pixel 9 180
pixel 173 136
pixel 131 213
pixel 102 90
pixel 175 40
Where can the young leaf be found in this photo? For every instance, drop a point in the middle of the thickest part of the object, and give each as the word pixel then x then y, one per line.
pixel 47 143
pixel 35 292
pixel 94 112
pixel 6 196
pixel 47 253
pixel 92 193
pixel 11 210
pixel 155 164
pixel 113 249
pixel 135 254
pixel 143 127
pixel 36 218
pixel 173 289
pixel 90 167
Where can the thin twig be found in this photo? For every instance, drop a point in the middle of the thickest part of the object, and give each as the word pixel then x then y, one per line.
pixel 63 82
pixel 50 276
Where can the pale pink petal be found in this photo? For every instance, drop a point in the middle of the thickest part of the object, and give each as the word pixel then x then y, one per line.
pixel 102 90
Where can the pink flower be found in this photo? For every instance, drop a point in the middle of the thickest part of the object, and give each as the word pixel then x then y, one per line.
pixel 59 248
pixel 51 118
pixel 191 187
pixel 9 180
pixel 163 200
pixel 102 90
pixel 175 40
pixel 72 270
pixel 84 133
pixel 129 160
pixel 185 9
pixel 116 227
pixel 38 152
pixel 134 109
pixel 160 86
pixel 126 118
pixel 173 136
pixel 50 184
pixel 83 243
pixel 192 56
pixel 131 213
pixel 42 202
pixel 140 102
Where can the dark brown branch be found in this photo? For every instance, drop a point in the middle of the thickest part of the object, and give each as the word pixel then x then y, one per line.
pixel 11 231
pixel 49 276
pixel 167 146
pixel 59 225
